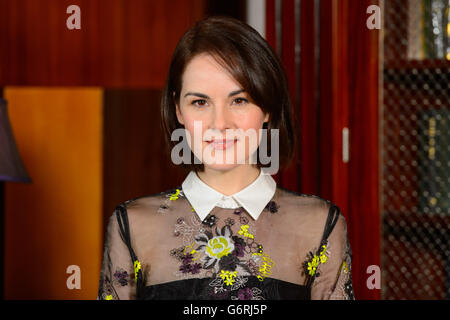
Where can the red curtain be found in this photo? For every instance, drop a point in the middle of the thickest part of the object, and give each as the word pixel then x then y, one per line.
pixel 331 60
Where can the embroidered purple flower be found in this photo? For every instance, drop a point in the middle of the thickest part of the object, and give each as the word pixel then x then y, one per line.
pixel 196 267
pixel 228 263
pixel 187 258
pixel 239 246
pixel 185 268
pixel 122 277
pixel 245 294
pixel 238 240
pixel 272 207
pixel 238 211
pixel 239 250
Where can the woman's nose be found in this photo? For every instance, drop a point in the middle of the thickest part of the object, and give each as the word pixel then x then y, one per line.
pixel 221 118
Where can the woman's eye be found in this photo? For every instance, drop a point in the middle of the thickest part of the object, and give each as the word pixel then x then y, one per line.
pixel 199 103
pixel 202 102
pixel 240 100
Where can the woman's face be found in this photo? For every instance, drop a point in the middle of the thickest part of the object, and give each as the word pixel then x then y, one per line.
pixel 225 115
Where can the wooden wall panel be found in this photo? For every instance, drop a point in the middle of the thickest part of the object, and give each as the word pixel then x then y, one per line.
pixel 55 221
pixel 120 44
pixel 136 160
pixel 85 160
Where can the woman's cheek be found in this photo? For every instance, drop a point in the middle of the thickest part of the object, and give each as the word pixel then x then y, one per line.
pixel 196 130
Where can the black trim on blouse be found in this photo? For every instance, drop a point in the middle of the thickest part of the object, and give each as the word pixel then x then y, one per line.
pixel 199 289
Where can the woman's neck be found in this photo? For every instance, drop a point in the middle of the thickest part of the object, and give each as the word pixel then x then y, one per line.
pixel 231 181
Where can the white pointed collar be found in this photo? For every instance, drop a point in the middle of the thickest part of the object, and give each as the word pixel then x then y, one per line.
pixel 252 198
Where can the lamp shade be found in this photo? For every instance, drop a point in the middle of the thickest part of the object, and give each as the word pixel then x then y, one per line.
pixel 11 166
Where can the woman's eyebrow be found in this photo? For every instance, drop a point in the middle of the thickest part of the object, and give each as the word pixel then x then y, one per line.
pixel 201 95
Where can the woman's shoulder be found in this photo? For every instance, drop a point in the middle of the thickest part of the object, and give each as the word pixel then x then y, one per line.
pixel 152 203
pixel 302 200
pixel 312 212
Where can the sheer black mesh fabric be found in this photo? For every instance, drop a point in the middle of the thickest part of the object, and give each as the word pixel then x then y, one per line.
pixel 168 252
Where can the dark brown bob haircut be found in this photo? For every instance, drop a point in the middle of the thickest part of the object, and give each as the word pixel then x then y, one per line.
pixel 250 60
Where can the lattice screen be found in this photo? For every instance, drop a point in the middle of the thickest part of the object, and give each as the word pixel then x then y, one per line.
pixel 415 150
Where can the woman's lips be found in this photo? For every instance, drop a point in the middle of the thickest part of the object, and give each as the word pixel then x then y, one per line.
pixel 221 144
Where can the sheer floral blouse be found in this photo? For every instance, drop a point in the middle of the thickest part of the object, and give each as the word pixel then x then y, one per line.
pixel 192 242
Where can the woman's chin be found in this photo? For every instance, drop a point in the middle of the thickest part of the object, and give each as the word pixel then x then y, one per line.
pixel 221 166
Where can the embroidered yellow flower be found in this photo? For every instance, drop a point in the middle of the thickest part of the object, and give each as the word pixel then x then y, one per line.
pixel 229 281
pixel 137 267
pixel 265 266
pixel 228 277
pixel 323 256
pixel 311 269
pixel 312 266
pixel 223 274
pixel 109 297
pixel 244 231
pixel 218 247
pixel 316 260
pixel 189 249
pixel 175 195
pixel 226 274
pixel 345 266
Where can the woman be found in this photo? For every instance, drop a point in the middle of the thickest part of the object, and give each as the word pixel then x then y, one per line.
pixel 228 232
